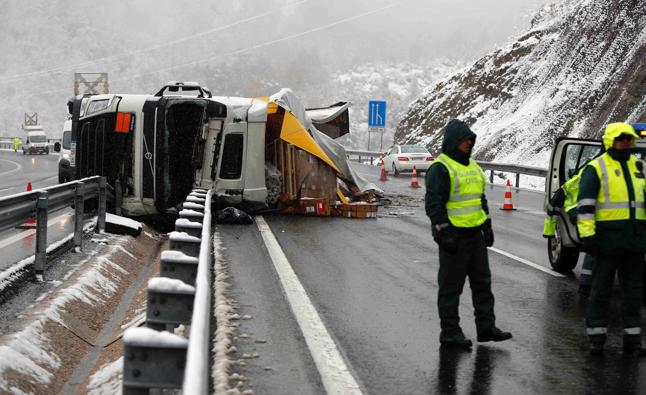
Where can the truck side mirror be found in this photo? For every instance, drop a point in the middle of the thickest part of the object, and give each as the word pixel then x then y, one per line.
pixel 57 147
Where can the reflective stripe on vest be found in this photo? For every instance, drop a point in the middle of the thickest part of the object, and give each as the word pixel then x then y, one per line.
pixel 464 207
pixel 613 202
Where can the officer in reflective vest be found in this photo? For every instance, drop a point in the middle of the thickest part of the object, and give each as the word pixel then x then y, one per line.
pixel 612 226
pixel 457 207
pixel 565 199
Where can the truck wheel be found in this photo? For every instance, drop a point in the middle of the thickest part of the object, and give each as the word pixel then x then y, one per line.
pixel 395 171
pixel 563 259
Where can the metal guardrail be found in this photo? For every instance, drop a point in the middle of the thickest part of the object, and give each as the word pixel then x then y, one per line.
pixel 518 170
pixel 154 356
pixel 492 166
pixel 35 205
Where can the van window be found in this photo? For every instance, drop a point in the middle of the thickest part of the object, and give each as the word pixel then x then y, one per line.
pixel 67 139
pixel 231 168
pixel 577 156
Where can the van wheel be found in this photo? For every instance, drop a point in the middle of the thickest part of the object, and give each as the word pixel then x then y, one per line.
pixel 563 259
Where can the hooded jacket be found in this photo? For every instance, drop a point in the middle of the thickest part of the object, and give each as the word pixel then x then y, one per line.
pixel 620 235
pixel 438 180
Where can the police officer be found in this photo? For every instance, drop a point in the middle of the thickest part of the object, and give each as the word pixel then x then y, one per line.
pixel 612 226
pixel 566 199
pixel 457 207
pixel 16 144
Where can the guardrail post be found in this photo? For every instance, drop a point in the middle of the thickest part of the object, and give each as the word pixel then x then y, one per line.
pixel 78 216
pixel 152 359
pixel 41 233
pixel 491 177
pixel 517 180
pixel 102 205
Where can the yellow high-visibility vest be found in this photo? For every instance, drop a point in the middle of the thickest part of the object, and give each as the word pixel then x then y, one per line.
pixel 613 201
pixel 464 207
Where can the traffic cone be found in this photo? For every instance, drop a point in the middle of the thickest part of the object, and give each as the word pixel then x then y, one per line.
pixel 384 173
pixel 413 182
pixel 32 222
pixel 508 205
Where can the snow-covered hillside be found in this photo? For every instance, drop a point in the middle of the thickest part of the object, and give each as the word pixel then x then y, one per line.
pixel 580 66
pixel 398 84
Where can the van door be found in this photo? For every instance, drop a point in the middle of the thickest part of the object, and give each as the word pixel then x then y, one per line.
pixel 568 157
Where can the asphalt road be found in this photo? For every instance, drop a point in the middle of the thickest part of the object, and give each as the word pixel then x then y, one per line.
pixel 373 283
pixel 16 170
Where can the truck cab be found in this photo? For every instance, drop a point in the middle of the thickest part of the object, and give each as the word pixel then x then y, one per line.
pixel 568 157
pixel 139 141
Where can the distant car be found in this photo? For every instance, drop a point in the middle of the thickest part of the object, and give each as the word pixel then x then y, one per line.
pixel 402 158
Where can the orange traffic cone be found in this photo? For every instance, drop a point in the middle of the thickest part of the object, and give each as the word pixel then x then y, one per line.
pixel 32 222
pixel 413 182
pixel 508 205
pixel 384 173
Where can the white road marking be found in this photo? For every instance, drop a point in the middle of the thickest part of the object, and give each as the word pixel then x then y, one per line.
pixel 335 375
pixel 29 232
pixel 526 262
pixel 18 167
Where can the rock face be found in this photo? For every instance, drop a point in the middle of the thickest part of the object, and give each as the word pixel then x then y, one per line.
pixel 581 65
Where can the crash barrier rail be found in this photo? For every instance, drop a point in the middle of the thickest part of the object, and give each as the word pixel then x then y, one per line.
pixel 23 208
pixel 154 356
pixel 518 170
pixel 491 166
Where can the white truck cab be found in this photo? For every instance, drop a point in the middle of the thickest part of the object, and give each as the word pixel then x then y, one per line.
pixel 568 156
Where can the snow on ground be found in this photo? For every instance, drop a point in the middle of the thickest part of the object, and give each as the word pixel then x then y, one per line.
pixel 107 380
pixel 12 274
pixel 29 351
pixel 225 317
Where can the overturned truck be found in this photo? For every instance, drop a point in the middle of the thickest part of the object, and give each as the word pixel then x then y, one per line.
pixel 257 153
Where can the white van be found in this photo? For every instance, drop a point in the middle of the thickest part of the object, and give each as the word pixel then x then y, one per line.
pixel 36 142
pixel 66 172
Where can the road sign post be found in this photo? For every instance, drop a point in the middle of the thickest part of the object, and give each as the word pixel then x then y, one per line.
pixel 376 120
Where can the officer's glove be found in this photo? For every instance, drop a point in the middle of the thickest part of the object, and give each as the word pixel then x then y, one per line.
pixel 590 246
pixel 488 233
pixel 447 239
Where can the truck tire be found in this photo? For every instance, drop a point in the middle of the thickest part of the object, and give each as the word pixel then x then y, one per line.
pixel 563 259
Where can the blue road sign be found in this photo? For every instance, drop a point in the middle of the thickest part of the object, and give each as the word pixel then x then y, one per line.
pixel 377 113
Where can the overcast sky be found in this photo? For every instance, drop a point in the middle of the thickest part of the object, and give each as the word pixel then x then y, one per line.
pixel 46 41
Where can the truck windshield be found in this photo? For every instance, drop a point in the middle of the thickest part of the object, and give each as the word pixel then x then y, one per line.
pixel 67 138
pixel 38 139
